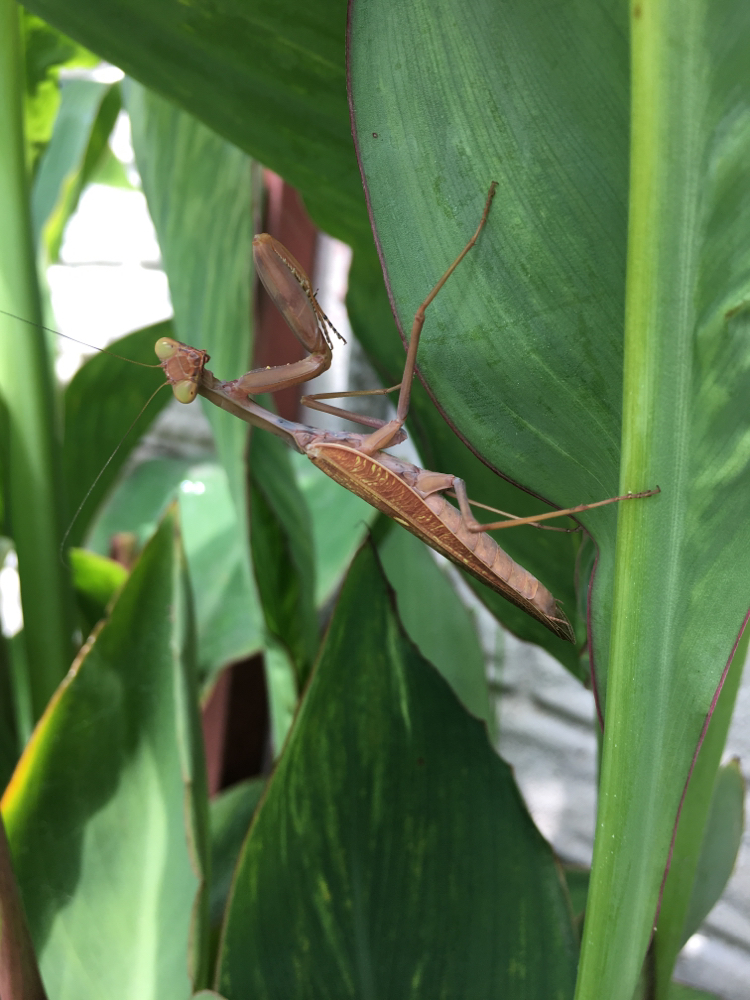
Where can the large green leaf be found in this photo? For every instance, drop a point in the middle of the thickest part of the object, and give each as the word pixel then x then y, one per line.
pixel 87 114
pixel 227 609
pixel 106 813
pixel 392 854
pixel 721 844
pixel 549 555
pixel 46 53
pixel 267 75
pixel 522 348
pixel 200 192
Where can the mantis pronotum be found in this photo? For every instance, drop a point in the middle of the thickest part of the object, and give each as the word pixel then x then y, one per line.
pixel 412 496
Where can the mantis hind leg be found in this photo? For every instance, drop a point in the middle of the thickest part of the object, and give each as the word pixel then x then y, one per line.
pixel 459 487
pixel 313 402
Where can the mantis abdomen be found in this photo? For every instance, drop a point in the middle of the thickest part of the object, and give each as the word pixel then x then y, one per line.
pixel 396 488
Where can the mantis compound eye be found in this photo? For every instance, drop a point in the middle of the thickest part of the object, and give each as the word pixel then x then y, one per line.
pixel 166 348
pixel 185 392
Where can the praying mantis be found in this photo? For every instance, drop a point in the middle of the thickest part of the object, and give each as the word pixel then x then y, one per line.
pixel 414 497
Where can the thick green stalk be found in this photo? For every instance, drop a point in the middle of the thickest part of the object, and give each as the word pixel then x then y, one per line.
pixel 33 483
pixel 640 784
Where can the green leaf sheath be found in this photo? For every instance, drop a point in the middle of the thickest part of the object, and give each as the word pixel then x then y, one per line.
pixel 683 559
pixel 33 497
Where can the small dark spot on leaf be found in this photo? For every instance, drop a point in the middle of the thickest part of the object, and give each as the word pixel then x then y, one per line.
pixel 637 10
pixel 374 135
pixel 420 761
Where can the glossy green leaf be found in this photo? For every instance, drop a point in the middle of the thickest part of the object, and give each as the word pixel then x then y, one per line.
pixel 283 555
pixel 522 348
pixel 200 193
pixel 227 607
pixel 227 611
pixel 79 103
pixel 107 810
pixel 339 523
pixel 138 502
pixel 436 620
pixel 359 875
pixel 102 413
pixel 231 814
pixel 721 843
pixel 692 844
pixel 96 580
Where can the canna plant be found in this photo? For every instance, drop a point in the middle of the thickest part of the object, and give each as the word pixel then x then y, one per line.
pixel 594 343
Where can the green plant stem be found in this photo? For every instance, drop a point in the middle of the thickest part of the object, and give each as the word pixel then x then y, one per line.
pixel 639 794
pixel 33 501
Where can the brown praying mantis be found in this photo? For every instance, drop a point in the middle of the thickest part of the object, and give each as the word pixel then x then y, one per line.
pixel 414 497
